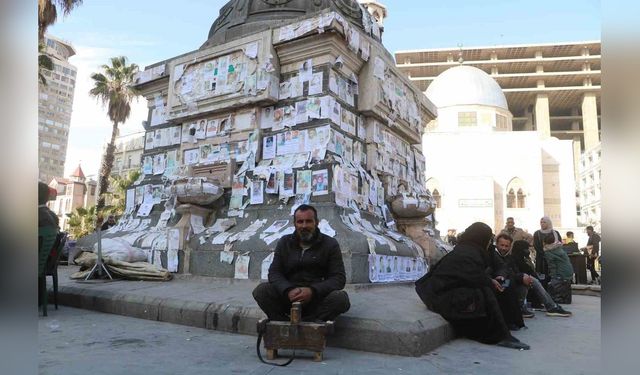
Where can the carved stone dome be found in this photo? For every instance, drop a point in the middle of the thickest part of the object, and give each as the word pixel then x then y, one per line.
pixel 240 18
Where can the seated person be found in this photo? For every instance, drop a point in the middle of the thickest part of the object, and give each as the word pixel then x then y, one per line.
pixel 307 267
pixel 111 221
pixel 557 260
pixel 519 257
pixel 47 232
pixel 570 245
pixel 460 289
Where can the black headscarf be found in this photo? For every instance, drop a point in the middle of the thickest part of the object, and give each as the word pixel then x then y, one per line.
pixel 478 234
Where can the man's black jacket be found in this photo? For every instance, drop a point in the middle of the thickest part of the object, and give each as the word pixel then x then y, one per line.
pixel 321 268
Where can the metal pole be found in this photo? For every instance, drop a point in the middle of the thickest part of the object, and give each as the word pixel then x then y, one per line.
pixel 99 266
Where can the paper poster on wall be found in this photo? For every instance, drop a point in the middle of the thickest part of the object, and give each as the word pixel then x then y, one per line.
pixel 285 90
pixel 287 183
pixel 212 128
pixel 139 194
pixel 319 184
pixel 272 183
pixel 303 180
pixel 191 156
pixel 176 133
pixel 131 200
pixel 201 129
pixel 242 267
pixel 301 112
pixel 257 192
pixel 269 147
pixel 266 117
pixel 314 106
pixel 297 88
pixel 158 164
pixel 147 165
pixel 315 85
pixel 148 143
pixel 264 269
pixel 306 71
pixel 188 133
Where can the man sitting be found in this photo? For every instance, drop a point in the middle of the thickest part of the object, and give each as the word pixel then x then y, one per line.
pixel 307 267
pixel 516 257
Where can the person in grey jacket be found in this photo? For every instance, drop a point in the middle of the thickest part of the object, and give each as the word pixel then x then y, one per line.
pixel 307 267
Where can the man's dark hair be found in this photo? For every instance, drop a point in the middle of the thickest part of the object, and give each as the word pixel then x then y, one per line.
pixel 510 217
pixel 306 207
pixel 570 234
pixel 43 193
pixel 505 236
pixel 590 227
pixel 549 239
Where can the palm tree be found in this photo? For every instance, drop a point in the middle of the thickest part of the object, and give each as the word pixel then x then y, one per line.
pixel 82 221
pixel 118 193
pixel 113 87
pixel 48 13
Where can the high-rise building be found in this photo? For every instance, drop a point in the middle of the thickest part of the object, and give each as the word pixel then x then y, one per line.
pixel 553 88
pixel 54 109
pixel 589 189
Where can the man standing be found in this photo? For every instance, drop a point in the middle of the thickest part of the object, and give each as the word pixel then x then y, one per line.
pixel 516 233
pixel 307 267
pixel 592 253
pixel 523 276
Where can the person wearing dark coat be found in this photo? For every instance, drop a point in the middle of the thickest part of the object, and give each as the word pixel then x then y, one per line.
pixel 518 257
pixel 546 227
pixel 465 286
pixel 307 267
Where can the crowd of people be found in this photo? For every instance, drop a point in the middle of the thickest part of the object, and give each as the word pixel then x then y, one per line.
pixel 487 285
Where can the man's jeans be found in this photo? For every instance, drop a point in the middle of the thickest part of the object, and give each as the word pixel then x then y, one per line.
pixel 540 292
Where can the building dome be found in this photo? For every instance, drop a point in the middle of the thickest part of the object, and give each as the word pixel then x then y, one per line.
pixel 465 85
pixel 240 18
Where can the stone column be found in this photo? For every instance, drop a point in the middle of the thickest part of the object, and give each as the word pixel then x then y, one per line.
pixel 543 123
pixel 590 121
pixel 577 152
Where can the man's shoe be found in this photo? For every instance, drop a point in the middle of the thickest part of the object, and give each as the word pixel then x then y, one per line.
pixel 526 313
pixel 558 311
pixel 513 343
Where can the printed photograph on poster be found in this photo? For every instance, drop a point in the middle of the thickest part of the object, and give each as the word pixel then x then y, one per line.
pixel 306 71
pixel 176 133
pixel 236 202
pixel 191 156
pixel 318 154
pixel 287 187
pixel 269 147
pixel 212 128
pixel 347 151
pixel 237 185
pixel 319 184
pixel 257 190
pixel 266 117
pixel 303 180
pixel 157 139
pixel 289 117
pixel 148 143
pixel 147 165
pixel 130 200
pixel 315 85
pixel 205 153
pixel 272 183
pixel 312 139
pixel 158 164
pixel 336 112
pixel 357 152
pixel 313 107
pixel 301 112
pixel 278 116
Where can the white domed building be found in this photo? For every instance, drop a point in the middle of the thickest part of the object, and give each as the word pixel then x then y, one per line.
pixel 478 169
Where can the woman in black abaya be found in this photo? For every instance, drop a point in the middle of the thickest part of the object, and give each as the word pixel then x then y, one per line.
pixel 460 287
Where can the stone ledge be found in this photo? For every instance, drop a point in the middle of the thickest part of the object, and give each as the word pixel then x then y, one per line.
pixel 413 337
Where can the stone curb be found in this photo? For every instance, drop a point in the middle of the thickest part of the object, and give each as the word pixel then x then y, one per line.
pixel 371 335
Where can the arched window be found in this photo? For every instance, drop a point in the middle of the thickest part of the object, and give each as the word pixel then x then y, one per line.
pixel 511 199
pixel 436 197
pixel 521 199
pixel 434 187
pixel 516 193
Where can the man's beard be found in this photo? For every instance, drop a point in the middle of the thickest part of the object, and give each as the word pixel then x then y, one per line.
pixel 305 235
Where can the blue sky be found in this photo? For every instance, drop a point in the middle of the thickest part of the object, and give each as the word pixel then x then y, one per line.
pixel 148 31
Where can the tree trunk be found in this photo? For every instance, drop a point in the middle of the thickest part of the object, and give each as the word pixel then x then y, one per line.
pixel 105 170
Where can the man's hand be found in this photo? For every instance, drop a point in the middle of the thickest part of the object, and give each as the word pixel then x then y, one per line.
pixel 496 284
pixel 303 295
pixel 527 280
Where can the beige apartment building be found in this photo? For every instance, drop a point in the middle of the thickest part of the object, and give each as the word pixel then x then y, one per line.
pixel 55 104
pixel 128 154
pixel 589 187
pixel 553 88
